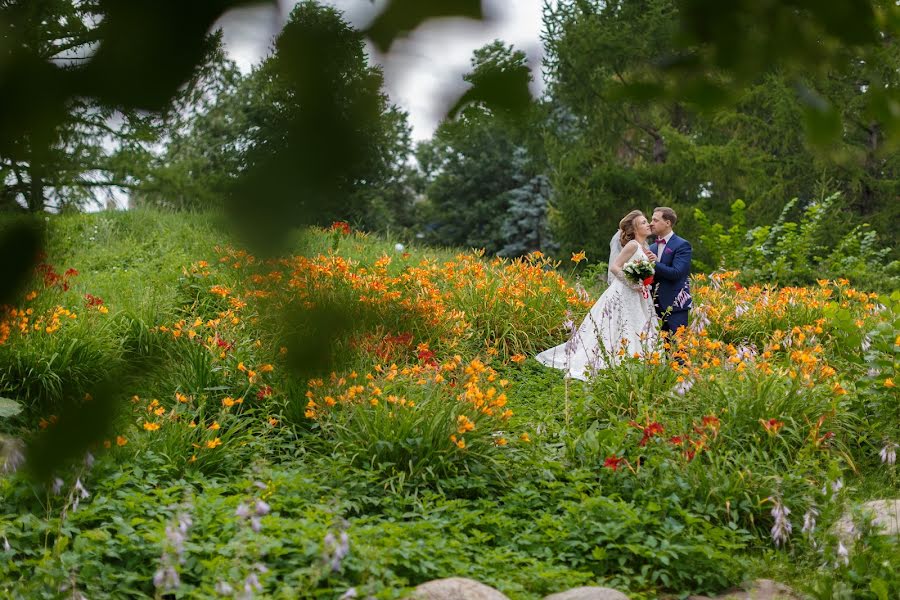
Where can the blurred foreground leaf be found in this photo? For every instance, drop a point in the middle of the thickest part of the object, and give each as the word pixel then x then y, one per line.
pixel 402 16
pixel 150 48
pixel 320 130
pixel 313 347
pixel 81 424
pixel 20 246
pixel 499 78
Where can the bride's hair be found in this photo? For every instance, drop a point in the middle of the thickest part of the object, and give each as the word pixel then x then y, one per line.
pixel 626 226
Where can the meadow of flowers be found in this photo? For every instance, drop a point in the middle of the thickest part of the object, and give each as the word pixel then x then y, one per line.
pixel 357 419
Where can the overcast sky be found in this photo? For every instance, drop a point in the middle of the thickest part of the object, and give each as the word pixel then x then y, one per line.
pixel 422 72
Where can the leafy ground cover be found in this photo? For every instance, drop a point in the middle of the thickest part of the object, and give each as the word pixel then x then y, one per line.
pixel 359 418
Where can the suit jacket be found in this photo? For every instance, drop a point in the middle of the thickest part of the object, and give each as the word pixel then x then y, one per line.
pixel 671 287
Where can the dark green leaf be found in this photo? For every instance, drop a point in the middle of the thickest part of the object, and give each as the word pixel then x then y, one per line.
pixel 402 16
pixel 81 424
pixel 20 246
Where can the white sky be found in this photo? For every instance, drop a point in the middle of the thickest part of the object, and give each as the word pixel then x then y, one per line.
pixel 422 72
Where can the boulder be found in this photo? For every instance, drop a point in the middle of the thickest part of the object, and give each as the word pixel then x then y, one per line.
pixel 588 593
pixel 761 589
pixel 455 588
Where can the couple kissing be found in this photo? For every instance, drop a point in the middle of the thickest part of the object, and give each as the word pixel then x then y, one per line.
pixel 649 292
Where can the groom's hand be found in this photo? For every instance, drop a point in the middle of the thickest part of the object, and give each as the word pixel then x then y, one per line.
pixel 650 254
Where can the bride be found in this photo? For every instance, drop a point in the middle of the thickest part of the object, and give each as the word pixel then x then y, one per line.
pixel 622 322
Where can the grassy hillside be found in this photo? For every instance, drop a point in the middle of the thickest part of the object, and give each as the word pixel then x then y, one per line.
pixel 364 416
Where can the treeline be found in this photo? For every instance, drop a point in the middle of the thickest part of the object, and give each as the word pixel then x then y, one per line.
pixel 556 177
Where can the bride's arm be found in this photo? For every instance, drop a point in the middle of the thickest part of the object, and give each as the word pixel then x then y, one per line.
pixel 626 253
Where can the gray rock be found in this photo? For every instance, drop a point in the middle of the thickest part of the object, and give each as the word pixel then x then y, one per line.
pixel 455 588
pixel 761 589
pixel 588 593
pixel 885 516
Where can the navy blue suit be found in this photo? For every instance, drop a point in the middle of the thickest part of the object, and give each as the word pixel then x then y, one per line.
pixel 671 288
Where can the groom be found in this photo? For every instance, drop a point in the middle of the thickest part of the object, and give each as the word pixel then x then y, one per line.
pixel 673 267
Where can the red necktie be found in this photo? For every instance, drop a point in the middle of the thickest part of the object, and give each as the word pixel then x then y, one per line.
pixel 660 241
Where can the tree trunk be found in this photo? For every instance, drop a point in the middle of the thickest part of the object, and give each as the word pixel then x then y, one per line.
pixel 36 190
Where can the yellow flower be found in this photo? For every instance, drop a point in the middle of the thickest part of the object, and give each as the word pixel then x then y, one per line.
pixel 181 398
pixel 214 443
pixel 525 437
pixel 228 401
pixel 151 426
pixel 889 383
pixel 214 426
pixel 577 257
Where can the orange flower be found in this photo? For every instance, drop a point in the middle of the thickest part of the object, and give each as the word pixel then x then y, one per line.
pixel 214 443
pixel 121 441
pixel 889 383
pixel 524 437
pixel 517 358
pixel 151 426
pixel 577 257
pixel 772 425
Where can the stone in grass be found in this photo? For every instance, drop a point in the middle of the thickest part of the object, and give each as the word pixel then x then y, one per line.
pixel 455 588
pixel 761 589
pixel 588 593
pixel 885 518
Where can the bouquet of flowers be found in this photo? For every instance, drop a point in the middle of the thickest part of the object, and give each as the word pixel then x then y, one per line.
pixel 640 272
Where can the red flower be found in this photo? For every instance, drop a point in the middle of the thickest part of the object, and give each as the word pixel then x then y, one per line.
pixel 738 286
pixel 650 430
pixel 264 392
pixel 341 227
pixel 612 462
pixel 92 300
pixel 648 280
pixel 676 440
pixel 71 272
pixel 427 357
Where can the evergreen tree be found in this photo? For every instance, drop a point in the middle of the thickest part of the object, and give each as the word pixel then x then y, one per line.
pixel 475 161
pixel 525 228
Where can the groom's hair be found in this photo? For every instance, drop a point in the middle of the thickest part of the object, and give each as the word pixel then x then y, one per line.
pixel 667 214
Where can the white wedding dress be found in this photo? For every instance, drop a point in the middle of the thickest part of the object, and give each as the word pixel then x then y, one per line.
pixel 621 323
